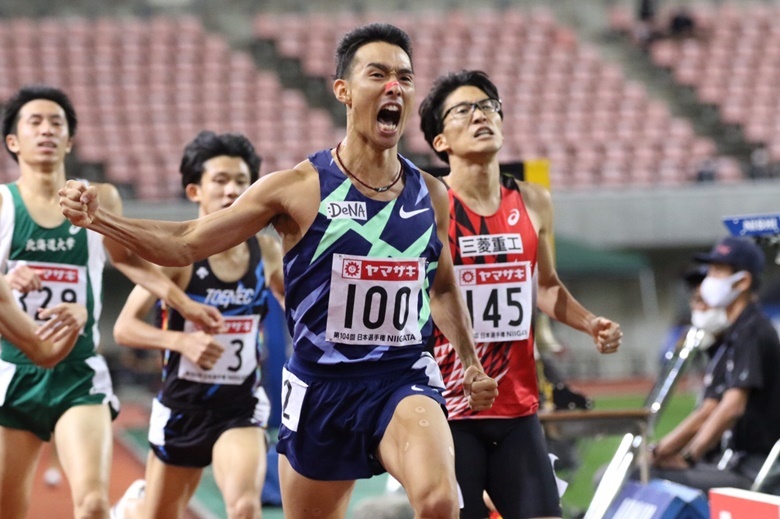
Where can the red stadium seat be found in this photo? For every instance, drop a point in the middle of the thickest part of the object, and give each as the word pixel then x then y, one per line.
pixel 144 88
pixel 134 79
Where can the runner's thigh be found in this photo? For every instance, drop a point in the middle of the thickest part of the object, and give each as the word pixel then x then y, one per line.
pixel 305 498
pixel 84 443
pixel 19 453
pixel 239 463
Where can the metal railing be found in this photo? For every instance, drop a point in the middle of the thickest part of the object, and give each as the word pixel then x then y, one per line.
pixel 631 448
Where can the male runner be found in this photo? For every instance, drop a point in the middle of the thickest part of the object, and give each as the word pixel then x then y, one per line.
pixel 211 407
pixel 500 238
pixel 362 230
pixel 47 260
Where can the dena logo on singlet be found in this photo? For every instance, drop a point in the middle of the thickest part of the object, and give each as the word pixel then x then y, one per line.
pixel 349 210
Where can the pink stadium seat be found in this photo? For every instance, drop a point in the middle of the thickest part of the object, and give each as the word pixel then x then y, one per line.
pixel 135 80
pixel 145 88
pixel 729 170
pixel 736 64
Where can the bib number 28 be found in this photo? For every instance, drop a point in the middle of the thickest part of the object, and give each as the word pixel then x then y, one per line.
pixel 60 283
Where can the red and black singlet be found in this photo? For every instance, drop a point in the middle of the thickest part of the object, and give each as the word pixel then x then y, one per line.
pixel 495 261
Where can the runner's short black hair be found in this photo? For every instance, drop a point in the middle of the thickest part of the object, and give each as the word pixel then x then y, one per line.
pixel 31 93
pixel 432 107
pixel 356 38
pixel 207 145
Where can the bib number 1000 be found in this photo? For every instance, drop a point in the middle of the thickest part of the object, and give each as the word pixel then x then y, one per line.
pixel 375 301
pixel 375 307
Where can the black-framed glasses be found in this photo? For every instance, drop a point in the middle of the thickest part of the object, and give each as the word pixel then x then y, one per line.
pixel 464 110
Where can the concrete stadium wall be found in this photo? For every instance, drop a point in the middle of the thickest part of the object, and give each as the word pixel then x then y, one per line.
pixel 660 217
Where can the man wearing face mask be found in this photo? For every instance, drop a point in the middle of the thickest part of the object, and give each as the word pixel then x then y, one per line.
pixel 741 388
pixel 699 315
pixel 711 319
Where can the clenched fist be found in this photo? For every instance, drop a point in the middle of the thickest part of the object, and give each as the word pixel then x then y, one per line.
pixel 200 348
pixel 78 202
pixel 480 389
pixel 606 334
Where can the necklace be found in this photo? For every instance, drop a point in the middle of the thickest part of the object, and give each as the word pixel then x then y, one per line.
pixel 381 189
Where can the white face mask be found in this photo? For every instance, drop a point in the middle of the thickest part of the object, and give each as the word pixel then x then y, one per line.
pixel 720 292
pixel 712 320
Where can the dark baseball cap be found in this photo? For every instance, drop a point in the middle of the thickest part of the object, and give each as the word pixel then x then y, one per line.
pixel 740 253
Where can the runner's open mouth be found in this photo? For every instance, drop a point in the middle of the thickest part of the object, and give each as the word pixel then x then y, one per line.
pixel 389 117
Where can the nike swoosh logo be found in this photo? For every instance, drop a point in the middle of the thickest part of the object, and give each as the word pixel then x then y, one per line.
pixel 74 229
pixel 415 388
pixel 408 214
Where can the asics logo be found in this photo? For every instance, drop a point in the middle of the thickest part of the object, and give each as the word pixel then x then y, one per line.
pixel 514 217
pixel 408 214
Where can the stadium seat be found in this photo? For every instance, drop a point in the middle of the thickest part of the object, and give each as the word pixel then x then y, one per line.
pixel 555 88
pixel 733 68
pixel 143 88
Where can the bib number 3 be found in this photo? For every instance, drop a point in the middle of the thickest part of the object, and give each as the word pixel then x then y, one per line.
pixel 239 359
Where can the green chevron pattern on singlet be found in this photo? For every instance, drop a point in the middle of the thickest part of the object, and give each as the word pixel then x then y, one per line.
pixel 372 230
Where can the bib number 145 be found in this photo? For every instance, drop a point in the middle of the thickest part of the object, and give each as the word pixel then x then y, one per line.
pixel 499 298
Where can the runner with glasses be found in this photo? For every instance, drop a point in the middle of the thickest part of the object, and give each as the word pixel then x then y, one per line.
pixel 464 110
pixel 500 238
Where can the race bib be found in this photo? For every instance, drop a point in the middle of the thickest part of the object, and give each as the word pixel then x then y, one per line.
pixel 238 361
pixel 374 301
pixel 293 393
pixel 499 298
pixel 61 283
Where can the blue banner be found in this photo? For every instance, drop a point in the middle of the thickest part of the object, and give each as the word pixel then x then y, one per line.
pixel 753 224
pixel 659 499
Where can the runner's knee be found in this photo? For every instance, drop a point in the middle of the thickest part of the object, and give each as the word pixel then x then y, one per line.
pixel 94 505
pixel 245 507
pixel 437 502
